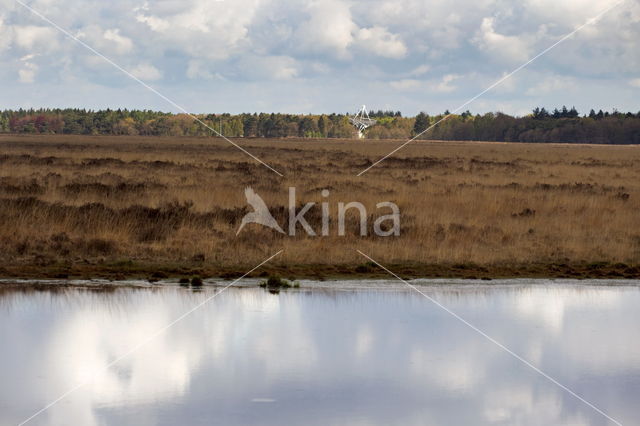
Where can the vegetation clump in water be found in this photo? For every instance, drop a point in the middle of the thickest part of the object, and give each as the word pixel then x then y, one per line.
pixel 277 283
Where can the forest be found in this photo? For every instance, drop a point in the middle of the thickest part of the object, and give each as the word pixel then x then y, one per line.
pixel 559 125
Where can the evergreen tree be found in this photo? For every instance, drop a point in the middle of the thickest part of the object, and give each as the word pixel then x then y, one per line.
pixel 322 126
pixel 421 124
pixel 250 126
pixel 573 113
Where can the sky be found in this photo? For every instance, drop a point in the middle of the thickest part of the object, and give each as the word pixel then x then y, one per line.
pixel 320 56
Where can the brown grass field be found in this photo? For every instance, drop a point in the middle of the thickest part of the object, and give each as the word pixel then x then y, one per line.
pixel 85 206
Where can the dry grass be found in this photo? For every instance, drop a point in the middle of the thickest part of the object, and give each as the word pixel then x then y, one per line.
pixel 114 202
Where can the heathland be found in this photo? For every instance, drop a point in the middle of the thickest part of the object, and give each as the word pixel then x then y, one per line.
pixel 154 207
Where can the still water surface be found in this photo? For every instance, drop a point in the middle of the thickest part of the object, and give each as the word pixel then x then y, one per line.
pixel 356 353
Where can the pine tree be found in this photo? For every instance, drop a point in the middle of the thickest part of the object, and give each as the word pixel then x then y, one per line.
pixel 421 123
pixel 322 126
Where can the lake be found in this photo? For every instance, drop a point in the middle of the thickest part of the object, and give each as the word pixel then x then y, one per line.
pixel 340 353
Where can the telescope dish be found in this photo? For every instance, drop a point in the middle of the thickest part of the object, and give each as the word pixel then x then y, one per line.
pixel 362 121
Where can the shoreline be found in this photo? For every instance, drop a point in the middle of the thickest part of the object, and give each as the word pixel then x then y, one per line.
pixel 154 272
pixel 386 284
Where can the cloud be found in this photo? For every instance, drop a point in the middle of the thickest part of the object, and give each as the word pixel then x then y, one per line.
pixel 569 12
pixel 406 84
pixel 197 69
pixel 502 47
pixel 155 23
pixel 197 28
pixel 550 84
pixel 635 82
pixel 6 35
pixel 269 67
pixel 381 42
pixel 337 52
pixel 445 85
pixel 27 73
pixel 328 29
pixel 122 44
pixel 32 37
pixel 146 72
pixel 420 70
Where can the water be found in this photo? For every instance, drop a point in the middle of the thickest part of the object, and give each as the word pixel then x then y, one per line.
pixel 355 353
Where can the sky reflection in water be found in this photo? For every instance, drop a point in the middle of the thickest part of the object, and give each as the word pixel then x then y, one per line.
pixel 322 356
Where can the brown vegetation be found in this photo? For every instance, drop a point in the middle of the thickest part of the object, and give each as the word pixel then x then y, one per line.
pixel 129 206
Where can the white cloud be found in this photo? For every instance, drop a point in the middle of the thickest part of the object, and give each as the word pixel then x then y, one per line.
pixel 28 70
pixel 406 84
pixel 635 82
pixel 335 50
pixel 420 70
pixel 445 85
pixel 35 37
pixel 6 35
pixel 27 73
pixel 550 84
pixel 269 67
pixel 155 23
pixel 381 42
pixel 122 44
pixel 329 28
pixel 568 12
pixel 204 29
pixel 146 72
pixel 502 47
pixel 199 69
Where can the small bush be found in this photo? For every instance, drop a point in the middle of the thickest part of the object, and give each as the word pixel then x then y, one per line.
pixel 196 281
pixel 525 213
pixel 275 282
pixel 623 196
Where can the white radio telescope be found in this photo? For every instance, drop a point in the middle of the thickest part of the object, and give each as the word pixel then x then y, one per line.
pixel 362 121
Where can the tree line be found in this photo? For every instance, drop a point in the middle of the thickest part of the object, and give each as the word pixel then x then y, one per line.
pixel 559 125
